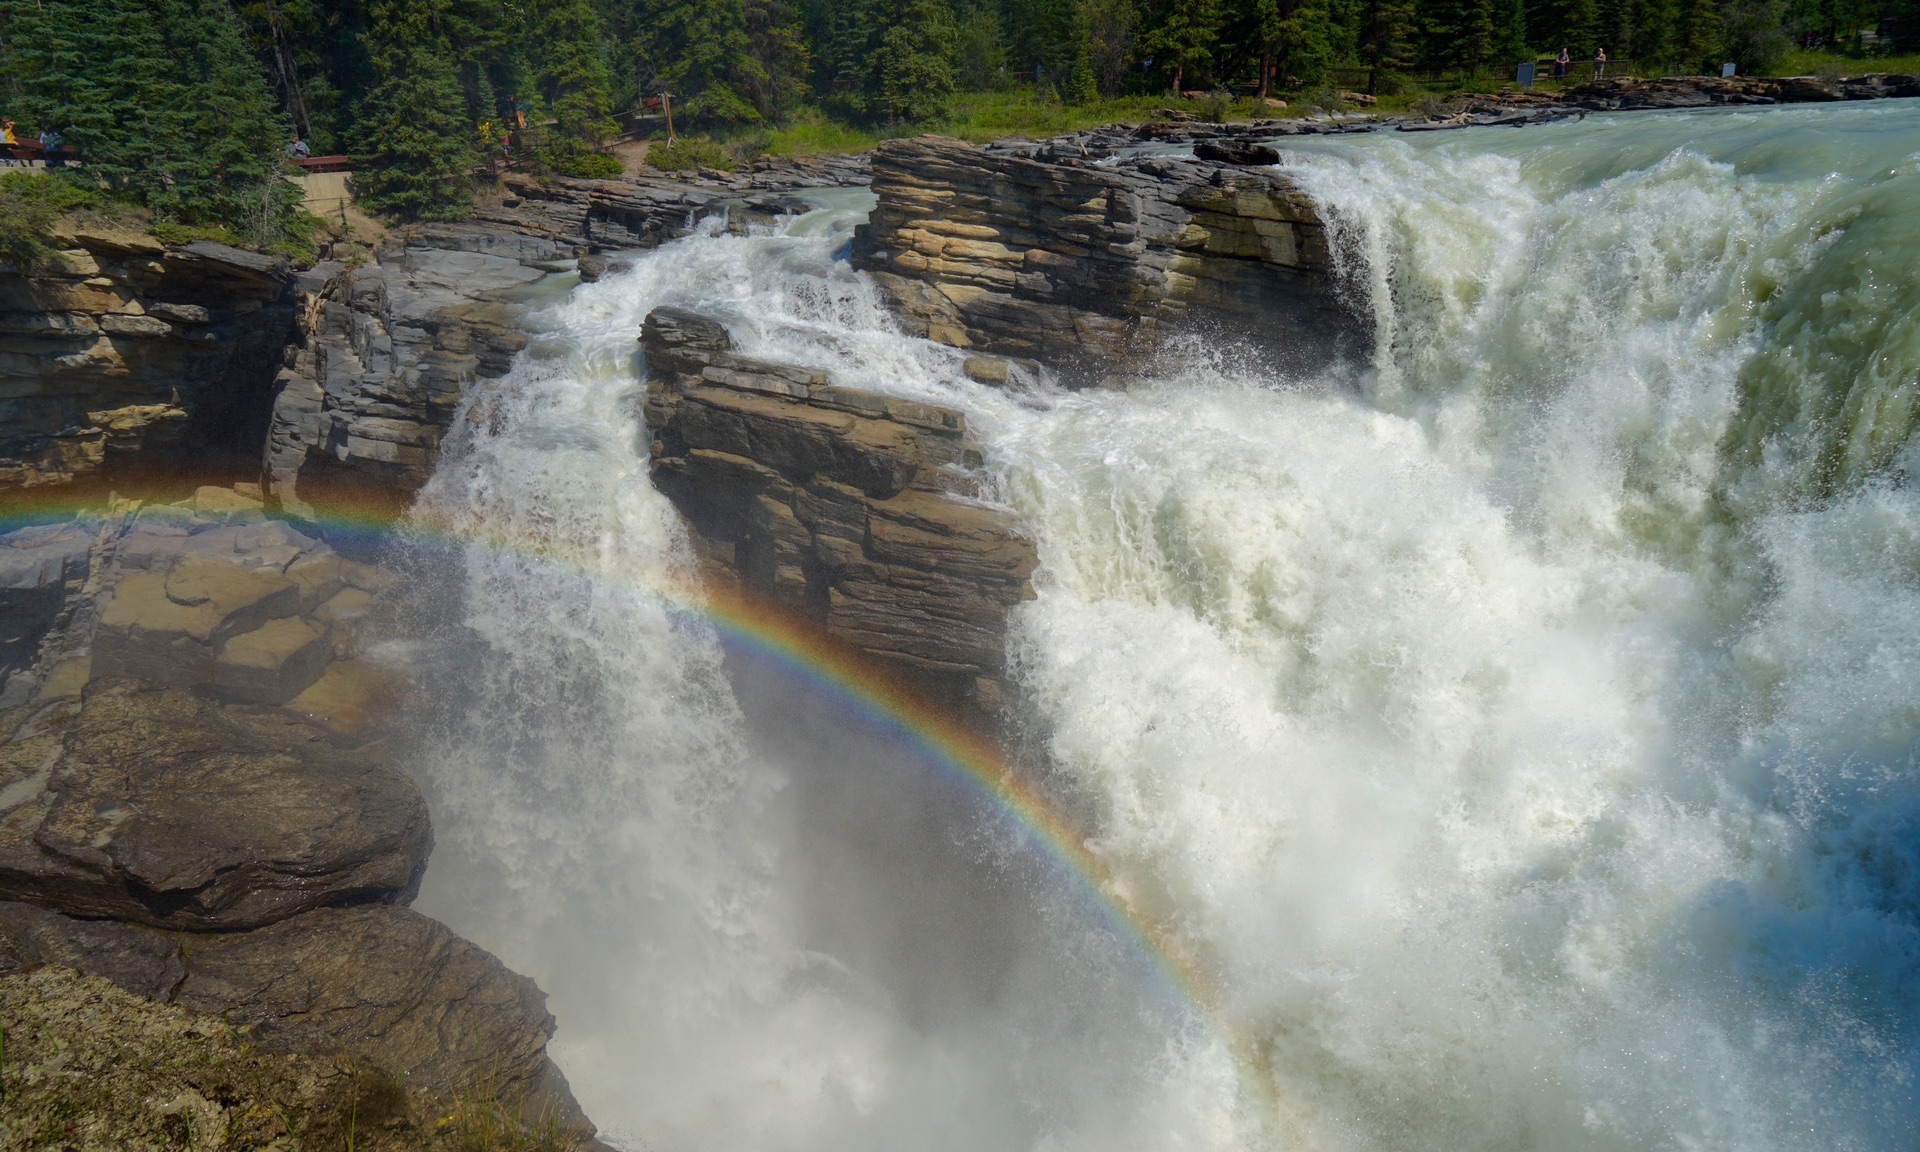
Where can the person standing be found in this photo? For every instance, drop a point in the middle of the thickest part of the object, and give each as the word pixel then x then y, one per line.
pixel 1599 63
pixel 50 142
pixel 6 132
pixel 1560 63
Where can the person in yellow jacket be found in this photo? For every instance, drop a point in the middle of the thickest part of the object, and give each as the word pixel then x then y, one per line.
pixel 6 132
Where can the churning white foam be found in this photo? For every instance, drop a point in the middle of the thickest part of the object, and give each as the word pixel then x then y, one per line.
pixel 1530 771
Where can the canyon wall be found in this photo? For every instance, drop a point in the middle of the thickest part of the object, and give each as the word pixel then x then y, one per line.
pixel 1085 263
pixel 125 356
pixel 853 509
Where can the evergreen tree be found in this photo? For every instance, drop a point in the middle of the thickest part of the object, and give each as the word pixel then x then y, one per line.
pixel 1293 40
pixel 164 101
pixel 1182 40
pixel 416 158
pixel 573 70
pixel 1108 32
pixel 915 59
pixel 726 61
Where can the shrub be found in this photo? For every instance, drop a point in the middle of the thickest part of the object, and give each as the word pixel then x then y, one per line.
pixel 687 153
pixel 30 203
pixel 1214 106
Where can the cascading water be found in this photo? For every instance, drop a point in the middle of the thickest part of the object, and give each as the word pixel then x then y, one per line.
pixel 1525 739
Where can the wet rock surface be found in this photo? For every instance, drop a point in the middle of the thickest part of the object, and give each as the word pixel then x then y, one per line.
pixel 196 804
pixel 852 508
pixel 126 357
pixel 1041 254
pixel 154 806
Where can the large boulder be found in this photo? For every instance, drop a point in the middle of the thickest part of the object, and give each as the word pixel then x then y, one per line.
pixel 385 984
pixel 157 806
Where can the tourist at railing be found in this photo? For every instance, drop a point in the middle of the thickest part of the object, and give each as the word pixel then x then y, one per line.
pixel 1560 63
pixel 50 142
pixel 298 149
pixel 1599 63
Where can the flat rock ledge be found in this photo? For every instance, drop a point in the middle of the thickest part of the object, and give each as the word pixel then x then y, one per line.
pixel 853 509
pixel 1084 264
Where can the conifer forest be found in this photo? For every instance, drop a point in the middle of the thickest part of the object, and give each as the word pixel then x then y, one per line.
pixel 187 106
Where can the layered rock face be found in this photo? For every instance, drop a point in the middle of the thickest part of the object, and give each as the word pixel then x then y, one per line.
pixel 1628 93
pixel 387 348
pixel 1053 257
pixel 846 506
pixel 646 212
pixel 132 357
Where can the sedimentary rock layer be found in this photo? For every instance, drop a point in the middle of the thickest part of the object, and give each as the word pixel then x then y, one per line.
pixel 847 506
pixel 1063 259
pixel 125 355
pixel 386 349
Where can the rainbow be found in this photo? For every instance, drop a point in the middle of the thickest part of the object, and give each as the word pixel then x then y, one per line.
pixel 956 750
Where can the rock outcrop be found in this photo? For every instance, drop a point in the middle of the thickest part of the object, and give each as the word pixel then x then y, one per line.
pixel 154 806
pixel 854 509
pixel 92 1066
pixel 208 595
pixel 195 803
pixel 1084 264
pixel 1628 93
pixel 129 357
pixel 386 349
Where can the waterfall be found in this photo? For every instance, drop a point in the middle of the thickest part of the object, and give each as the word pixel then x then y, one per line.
pixel 1525 735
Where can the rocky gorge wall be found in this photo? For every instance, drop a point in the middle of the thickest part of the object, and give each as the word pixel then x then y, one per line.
pixel 1044 253
pixel 197 803
pixel 126 357
pixel 855 510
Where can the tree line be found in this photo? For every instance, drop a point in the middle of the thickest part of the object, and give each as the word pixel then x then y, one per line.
pixel 188 106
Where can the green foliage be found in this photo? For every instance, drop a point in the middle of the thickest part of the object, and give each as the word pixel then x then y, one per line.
pixel 162 100
pixel 415 154
pixel 30 204
pixel 1183 41
pixel 915 59
pixel 688 153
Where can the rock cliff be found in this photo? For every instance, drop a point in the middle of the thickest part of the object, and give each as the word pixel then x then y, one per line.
pixel 386 349
pixel 854 509
pixel 127 357
pixel 1043 254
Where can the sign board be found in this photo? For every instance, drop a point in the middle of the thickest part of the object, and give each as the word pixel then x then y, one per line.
pixel 1525 78
pixel 1726 71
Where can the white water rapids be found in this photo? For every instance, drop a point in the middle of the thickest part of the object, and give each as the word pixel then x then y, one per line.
pixel 1522 724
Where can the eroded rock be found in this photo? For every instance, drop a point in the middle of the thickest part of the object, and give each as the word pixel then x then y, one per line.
pixel 158 807
pixel 853 508
pixel 1050 256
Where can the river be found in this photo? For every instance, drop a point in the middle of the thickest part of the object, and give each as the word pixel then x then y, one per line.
pixel 1519 722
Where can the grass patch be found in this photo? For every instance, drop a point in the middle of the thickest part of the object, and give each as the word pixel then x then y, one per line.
pixel 810 132
pixel 31 203
pixel 1799 62
pixel 690 152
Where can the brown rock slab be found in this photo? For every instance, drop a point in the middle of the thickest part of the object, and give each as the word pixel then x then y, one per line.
pixel 388 983
pixel 159 807
pixel 273 663
pixel 351 700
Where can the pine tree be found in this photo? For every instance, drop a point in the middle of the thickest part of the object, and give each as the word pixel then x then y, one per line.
pixel 916 60
pixel 1183 39
pixel 1108 31
pixel 704 51
pixel 573 69
pixel 164 101
pixel 416 157
pixel 1293 40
